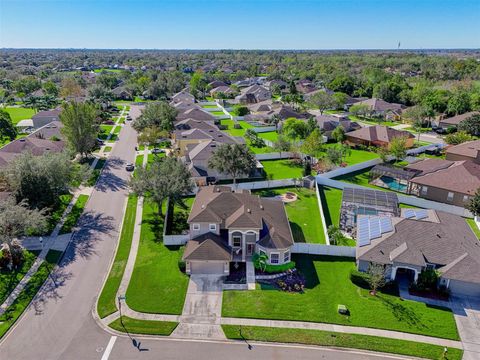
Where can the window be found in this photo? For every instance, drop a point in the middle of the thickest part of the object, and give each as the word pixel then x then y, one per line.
pixel 237 239
pixel 424 190
pixel 213 227
pixel 286 256
pixel 196 226
pixel 274 257
pixel 450 196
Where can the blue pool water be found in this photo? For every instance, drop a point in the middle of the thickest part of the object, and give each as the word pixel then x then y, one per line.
pixel 393 184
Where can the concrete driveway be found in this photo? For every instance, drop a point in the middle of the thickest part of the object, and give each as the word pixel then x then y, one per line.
pixel 467 317
pixel 202 309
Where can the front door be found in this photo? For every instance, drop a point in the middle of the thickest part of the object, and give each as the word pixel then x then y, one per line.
pixel 250 249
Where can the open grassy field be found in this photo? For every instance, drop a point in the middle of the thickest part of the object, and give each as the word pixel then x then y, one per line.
pixel 335 339
pixel 106 302
pixel 282 169
pixel 328 285
pixel 303 214
pixel 157 285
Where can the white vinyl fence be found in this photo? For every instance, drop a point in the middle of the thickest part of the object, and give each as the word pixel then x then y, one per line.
pixel 321 249
pixel 349 169
pixel 322 216
pixel 266 184
pixel 263 129
pixel 274 156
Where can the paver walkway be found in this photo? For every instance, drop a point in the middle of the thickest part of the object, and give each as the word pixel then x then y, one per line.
pixel 202 309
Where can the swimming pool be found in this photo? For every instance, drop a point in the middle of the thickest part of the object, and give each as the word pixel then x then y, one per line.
pixel 393 184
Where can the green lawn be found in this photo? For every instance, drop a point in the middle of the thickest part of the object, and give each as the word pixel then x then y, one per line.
pixel 210 107
pixel 105 131
pixel 19 113
pixel 157 285
pixel 57 213
pixel 14 311
pixel 329 284
pixel 262 150
pixel 270 135
pixel 356 156
pixel 331 203
pixel 107 149
pixel 106 302
pixel 177 221
pixel 145 327
pixel 474 227
pixel 372 121
pixel 117 130
pixel 74 214
pixel 303 214
pixel 217 113
pixel 10 279
pixel 335 339
pixel 282 169
pixel 230 129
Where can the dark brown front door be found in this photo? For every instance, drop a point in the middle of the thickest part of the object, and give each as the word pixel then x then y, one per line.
pixel 250 248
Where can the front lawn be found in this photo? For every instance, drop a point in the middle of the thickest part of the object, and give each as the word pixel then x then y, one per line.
pixel 106 302
pixel 74 214
pixel 157 285
pixel 10 279
pixel 335 339
pixel 303 214
pixel 19 113
pixel 282 169
pixel 144 327
pixel 328 285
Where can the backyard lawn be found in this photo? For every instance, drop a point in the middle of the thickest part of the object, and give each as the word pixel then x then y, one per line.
pixel 230 129
pixel 282 169
pixel 177 221
pixel 19 113
pixel 327 338
pixel 157 285
pixel 474 227
pixel 331 203
pixel 270 135
pixel 356 156
pixel 303 214
pixel 328 285
pixel 106 302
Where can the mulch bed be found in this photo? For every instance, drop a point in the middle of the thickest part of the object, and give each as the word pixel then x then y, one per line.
pixel 291 282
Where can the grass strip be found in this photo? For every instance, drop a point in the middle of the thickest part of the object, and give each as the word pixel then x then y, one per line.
pixel 327 338
pixel 106 302
pixel 145 327
pixel 14 311
pixel 10 279
pixel 74 215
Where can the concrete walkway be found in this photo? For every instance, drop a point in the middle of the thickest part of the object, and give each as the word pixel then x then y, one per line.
pixel 250 276
pixel 202 309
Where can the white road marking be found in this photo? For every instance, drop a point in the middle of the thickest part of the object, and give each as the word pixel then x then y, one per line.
pixel 109 348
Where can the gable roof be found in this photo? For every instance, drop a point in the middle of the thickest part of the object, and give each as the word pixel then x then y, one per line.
pixel 242 210
pixel 380 105
pixel 427 166
pixel 379 133
pixel 196 114
pixel 207 247
pixel 457 119
pixel 468 149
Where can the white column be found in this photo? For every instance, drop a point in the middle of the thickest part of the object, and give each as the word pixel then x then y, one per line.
pixel 394 273
pixel 244 247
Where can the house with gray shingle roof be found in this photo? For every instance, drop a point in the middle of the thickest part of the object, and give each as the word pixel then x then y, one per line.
pixel 231 226
pixel 433 240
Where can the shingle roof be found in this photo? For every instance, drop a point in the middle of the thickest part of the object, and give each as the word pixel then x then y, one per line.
pixel 418 242
pixel 457 119
pixel 375 104
pixel 378 133
pixel 427 166
pixel 196 114
pixel 218 204
pixel 207 247
pixel 467 149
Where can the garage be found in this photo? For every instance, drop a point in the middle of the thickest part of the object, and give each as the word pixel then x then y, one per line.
pixel 207 267
pixel 462 288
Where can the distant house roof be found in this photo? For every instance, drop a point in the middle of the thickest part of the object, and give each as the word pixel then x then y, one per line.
pixel 461 176
pixel 329 123
pixel 444 239
pixel 457 119
pixel 468 149
pixel 196 114
pixel 53 114
pixel 241 209
pixel 380 105
pixel 380 133
pixel 216 83
pixel 222 89
pixel 183 96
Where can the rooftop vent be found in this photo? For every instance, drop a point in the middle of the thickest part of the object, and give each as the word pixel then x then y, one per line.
pixel 261 207
pixel 249 211
pixel 203 206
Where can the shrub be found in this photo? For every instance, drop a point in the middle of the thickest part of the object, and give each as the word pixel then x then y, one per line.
pixel 182 265
pixel 307 168
pixel 223 127
pixel 360 279
pixel 5 259
pixel 237 126
pixel 271 269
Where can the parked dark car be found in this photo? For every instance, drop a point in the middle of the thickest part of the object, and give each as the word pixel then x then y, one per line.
pixel 157 151
pixel 130 167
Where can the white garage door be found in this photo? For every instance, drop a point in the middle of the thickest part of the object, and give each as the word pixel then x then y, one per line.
pixel 206 267
pixel 464 288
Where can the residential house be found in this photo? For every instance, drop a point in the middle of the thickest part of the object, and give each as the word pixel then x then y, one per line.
pixel 227 90
pixel 454 121
pixel 229 226
pixel 196 114
pixel 272 83
pixel 45 139
pixel 328 123
pixel 419 240
pixel 183 96
pixel 381 108
pixel 467 151
pixel 305 86
pixel 254 94
pixel 378 135
pixel 450 182
pixel 42 118
pixel 122 93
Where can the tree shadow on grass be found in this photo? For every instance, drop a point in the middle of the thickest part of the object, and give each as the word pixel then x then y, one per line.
pixel 326 211
pixel 402 313
pixel 306 266
pixel 297 232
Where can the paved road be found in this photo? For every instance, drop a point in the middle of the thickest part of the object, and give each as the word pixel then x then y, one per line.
pixel 59 324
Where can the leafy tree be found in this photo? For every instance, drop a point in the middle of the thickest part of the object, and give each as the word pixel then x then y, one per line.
pixel 70 88
pixel 474 204
pixel 282 144
pixel 160 115
pixel 233 159
pixel 313 143
pixel 51 88
pixel 340 99
pixel 295 128
pixel 458 138
pixel 334 234
pixel 342 83
pixel 398 147
pixel 471 125
pixel 80 127
pixel 108 80
pixel 27 85
pixel 334 155
pixel 360 110
pixel 151 135
pixel 307 168
pixel 323 101
pixel 338 134
pixel 376 277
pixel 312 125
pixel 198 84
pixel 17 220
pixel 101 95
pixel 6 126
pixel 41 180
pixel 294 100
pixel 241 110
pixel 164 178
pixel 459 103
pixel 254 139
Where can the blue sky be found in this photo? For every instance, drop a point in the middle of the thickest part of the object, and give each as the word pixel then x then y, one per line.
pixel 240 24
